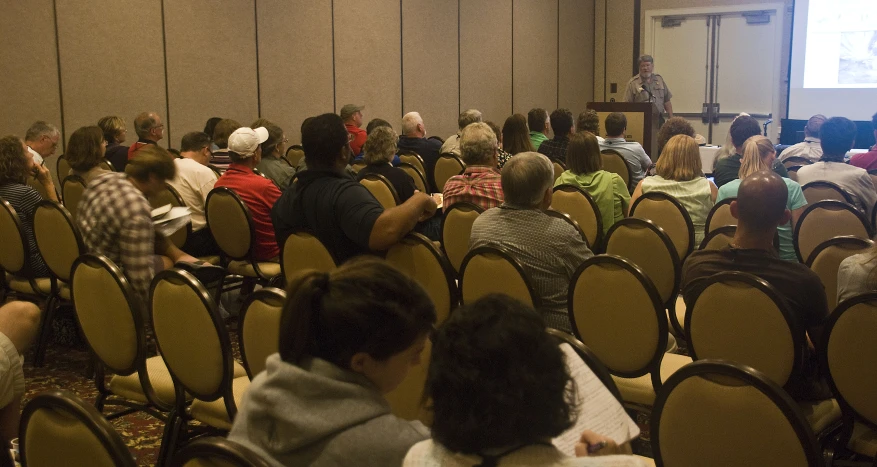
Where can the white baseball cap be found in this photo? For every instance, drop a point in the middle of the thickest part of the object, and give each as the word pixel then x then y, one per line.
pixel 244 141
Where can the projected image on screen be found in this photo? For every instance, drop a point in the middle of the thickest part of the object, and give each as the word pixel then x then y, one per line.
pixel 858 58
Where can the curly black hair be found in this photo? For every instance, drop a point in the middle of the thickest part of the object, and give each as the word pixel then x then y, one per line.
pixel 496 378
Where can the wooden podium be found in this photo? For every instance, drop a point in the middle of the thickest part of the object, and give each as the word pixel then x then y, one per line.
pixel 639 122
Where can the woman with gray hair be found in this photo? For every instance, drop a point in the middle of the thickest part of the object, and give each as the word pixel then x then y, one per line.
pixel 378 152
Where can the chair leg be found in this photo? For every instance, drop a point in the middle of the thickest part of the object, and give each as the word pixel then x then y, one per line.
pixel 170 438
pixel 45 331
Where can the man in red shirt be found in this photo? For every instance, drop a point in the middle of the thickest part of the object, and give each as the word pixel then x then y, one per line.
pixel 480 183
pixel 867 160
pixel 352 117
pixel 150 130
pixel 258 193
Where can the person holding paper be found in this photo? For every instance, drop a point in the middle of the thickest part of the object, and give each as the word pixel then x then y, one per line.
pixel 499 385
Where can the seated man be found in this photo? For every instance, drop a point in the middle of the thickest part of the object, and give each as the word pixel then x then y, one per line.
pixel 811 147
pixel 867 160
pixel 589 121
pixel 728 168
pixel 414 139
pixel 452 144
pixel 258 193
pixel 540 126
pixel 638 162
pixel 837 136
pixel 480 183
pixel 223 129
pixel 550 249
pixel 115 218
pixel 761 207
pixel 19 322
pixel 341 212
pixel 562 125
pixel 193 182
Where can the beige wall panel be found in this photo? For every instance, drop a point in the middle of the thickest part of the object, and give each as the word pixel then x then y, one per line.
pixel 619 46
pixel 535 55
pixel 211 63
pixel 600 54
pixel 430 69
pixel 295 63
pixel 105 72
pixel 485 57
pixel 576 70
pixel 368 58
pixel 29 81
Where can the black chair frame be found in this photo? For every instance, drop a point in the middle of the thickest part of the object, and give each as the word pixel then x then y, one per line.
pixel 504 254
pixel 598 241
pixel 716 207
pixel 386 182
pixel 827 203
pixel 831 185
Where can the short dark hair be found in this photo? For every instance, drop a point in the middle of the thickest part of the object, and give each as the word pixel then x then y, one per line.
pixel 211 125
pixel 496 130
pixel 588 121
pixel 365 305
pixel 322 139
pixel 536 119
pixel 837 136
pixel 496 378
pixel 224 129
pixel 561 122
pixel 583 153
pixel 743 128
pixel 375 123
pixel 151 159
pixel 615 124
pixel 194 141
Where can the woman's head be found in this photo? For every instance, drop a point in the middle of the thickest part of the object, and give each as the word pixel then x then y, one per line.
pixel 583 153
pixel 15 163
pixel 114 129
pixel 381 145
pixel 758 154
pixel 365 316
pixel 516 135
pixel 85 149
pixel 588 121
pixel 497 379
pixel 672 127
pixel 680 159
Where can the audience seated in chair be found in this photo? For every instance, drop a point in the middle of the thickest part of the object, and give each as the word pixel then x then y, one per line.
pixel 679 174
pixel 867 160
pixel 115 219
pixel 728 168
pixel 502 156
pixel 589 121
pixel 539 125
pixel 515 137
pixel 811 147
pixel 585 170
pixel 340 212
pixel 857 275
pixel 837 136
pixel 499 389
pixel 115 133
pixel 672 127
pixel 378 151
pixel 85 152
pixel 638 162
pixel 272 164
pixel 258 193
pixel 193 181
pixel 352 116
pixel 16 165
pixel 347 338
pixel 42 140
pixel 479 183
pixel 562 125
pixel 223 129
pixel 759 209
pixel 758 155
pixel 549 248
pixel 452 144
pixel 150 130
pixel 19 322
pixel 414 139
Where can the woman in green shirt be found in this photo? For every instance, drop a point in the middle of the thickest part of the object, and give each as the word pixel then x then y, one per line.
pixel 586 171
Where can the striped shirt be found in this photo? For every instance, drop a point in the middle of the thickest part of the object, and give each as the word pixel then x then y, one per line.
pixel 478 185
pixel 24 200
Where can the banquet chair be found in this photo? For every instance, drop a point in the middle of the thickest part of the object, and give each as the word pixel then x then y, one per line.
pixel 580 205
pixel 488 270
pixel 666 211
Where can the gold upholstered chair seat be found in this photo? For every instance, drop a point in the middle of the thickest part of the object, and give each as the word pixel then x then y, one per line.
pixel 640 390
pixel 245 268
pixel 863 440
pixel 214 413
pixel 42 285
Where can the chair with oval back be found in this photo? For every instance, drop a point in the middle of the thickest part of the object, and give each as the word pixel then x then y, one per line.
pixel 259 332
pixel 796 161
pixel 303 251
pixel 406 401
pixel 294 154
pixel 825 220
pixel 381 189
pixel 59 428
pixel 591 360
pixel 569 220
pixel 40 188
pixel 670 215
pixel 456 230
pixel 356 166
pixel 417 257
pixel 793 172
pixel 579 205
pixel 195 345
pixel 826 258
pixel 616 311
pixel 707 410
pixel 559 168
pixel 719 238
pixel 62 167
pixel 171 196
pixel 17 274
pixel 614 162
pixel 848 355
pixel 72 188
pixel 446 167
pixel 820 190
pixel 416 175
pixel 217 452
pixel 414 159
pixel 720 216
pixel 487 270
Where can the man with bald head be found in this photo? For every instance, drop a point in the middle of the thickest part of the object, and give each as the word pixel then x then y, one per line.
pixel 150 130
pixel 414 139
pixel 759 208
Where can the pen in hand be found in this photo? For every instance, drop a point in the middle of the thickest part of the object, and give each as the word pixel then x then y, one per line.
pixel 592 448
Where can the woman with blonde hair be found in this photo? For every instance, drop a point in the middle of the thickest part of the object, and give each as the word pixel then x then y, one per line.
pixel 115 133
pixel 680 174
pixel 378 152
pixel 759 154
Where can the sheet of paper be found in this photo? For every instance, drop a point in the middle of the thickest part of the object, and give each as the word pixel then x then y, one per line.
pixel 175 220
pixel 174 213
pixel 598 410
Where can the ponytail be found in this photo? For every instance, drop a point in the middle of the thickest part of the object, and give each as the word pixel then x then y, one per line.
pixel 305 300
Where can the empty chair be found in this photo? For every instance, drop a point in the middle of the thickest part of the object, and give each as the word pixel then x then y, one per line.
pixel 294 154
pixel 719 238
pixel 18 277
pixel 614 162
pixel 825 220
pixel 303 251
pixel 381 189
pixel 456 230
pixel 580 206
pixel 826 258
pixel 416 175
pixel 720 216
pixel 72 188
pixel 709 410
pixel 419 258
pixel 669 214
pixel 59 428
pixel 821 190
pixel 487 270
pixel 217 452
pixel 259 331
pixel 446 167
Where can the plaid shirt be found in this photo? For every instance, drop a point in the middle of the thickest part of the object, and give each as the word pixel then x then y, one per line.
pixel 478 185
pixel 115 220
pixel 555 148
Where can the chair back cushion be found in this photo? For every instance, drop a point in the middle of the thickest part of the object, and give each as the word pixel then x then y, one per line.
pixel 488 270
pixel 558 169
pixel 646 245
pixel 294 155
pixel 406 401
pixel 216 452
pixel 417 257
pixel 446 167
pixel 720 215
pixel 826 258
pixel 303 251
pixel 62 166
pixel 381 189
pixel 821 190
pixel 231 224
pixel 614 162
pixel 163 198
pixel 260 327
pixel 13 255
pixel 850 354
pixel 57 238
pixel 718 238
pixel 579 205
pixel 72 187
pixel 39 187
pixel 456 230
pixel 825 220
pixel 416 175
pixel 670 215
pixel 413 159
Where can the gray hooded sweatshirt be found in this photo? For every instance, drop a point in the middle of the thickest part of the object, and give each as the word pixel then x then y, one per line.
pixel 318 414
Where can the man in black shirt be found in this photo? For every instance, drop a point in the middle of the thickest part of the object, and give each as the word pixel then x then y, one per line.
pixel 562 124
pixel 414 139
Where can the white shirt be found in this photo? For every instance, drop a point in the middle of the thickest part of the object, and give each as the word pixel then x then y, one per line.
pixel 194 181
pixel 810 148
pixel 853 180
pixel 37 158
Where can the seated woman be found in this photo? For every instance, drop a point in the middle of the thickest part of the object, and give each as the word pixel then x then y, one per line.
pixel 85 152
pixel 378 150
pixel 585 170
pixel 502 156
pixel 347 338
pixel 515 136
pixel 679 174
pixel 857 275
pixel 16 165
pixel 114 133
pixel 272 164
pixel 499 387
pixel 759 154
